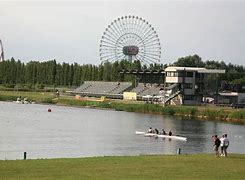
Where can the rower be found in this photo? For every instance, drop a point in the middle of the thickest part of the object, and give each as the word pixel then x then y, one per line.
pixel 163 132
pixel 156 131
pixel 170 133
pixel 150 130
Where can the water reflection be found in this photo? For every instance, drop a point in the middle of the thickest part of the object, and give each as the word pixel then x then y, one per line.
pixel 81 132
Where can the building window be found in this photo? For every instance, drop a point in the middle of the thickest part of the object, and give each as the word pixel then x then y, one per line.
pixel 172 74
pixel 189 74
pixel 188 86
pixel 189 97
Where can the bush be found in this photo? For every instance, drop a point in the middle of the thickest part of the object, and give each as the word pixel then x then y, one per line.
pixel 9 85
pixel 168 110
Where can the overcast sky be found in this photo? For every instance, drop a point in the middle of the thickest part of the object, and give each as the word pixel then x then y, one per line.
pixel 71 31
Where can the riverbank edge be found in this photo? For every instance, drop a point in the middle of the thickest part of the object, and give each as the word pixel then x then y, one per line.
pixel 186 112
pixel 204 113
pixel 184 166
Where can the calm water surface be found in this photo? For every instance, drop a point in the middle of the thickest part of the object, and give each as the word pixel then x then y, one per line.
pixel 82 132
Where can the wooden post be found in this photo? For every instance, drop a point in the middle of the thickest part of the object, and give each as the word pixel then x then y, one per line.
pixel 24 155
pixel 178 151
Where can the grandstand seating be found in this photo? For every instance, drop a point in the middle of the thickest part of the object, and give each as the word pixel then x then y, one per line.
pixel 116 89
pixel 146 89
pixel 99 88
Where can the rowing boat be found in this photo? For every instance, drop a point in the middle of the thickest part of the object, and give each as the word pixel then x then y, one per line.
pixel 161 136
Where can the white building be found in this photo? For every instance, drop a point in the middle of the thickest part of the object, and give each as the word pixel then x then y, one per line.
pixel 190 81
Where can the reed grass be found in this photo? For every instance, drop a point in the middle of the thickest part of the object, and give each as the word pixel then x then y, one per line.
pixel 208 113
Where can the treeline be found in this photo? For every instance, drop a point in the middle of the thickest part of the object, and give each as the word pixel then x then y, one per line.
pixel 14 72
pixel 50 72
pixel 234 73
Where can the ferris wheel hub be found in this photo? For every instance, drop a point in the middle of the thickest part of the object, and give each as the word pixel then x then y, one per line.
pixel 130 50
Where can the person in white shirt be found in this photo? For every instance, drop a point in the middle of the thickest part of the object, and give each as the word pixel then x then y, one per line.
pixel 150 130
pixel 222 140
pixel 226 144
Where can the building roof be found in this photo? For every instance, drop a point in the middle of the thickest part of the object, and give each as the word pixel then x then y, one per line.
pixel 199 70
pixel 229 94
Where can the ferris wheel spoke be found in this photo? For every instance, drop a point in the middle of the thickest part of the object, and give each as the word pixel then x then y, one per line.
pixel 111 32
pixel 123 41
pixel 135 25
pixel 116 31
pixel 147 46
pixel 117 28
pixel 154 52
pixel 148 60
pixel 143 26
pixel 157 55
pixel 105 45
pixel 146 55
pixel 111 36
pixel 122 25
pixel 119 57
pixel 150 42
pixel 108 42
pixel 127 24
pixel 145 29
pixel 108 39
pixel 108 57
pixel 151 36
pixel 147 33
pixel 114 59
pixel 107 53
pixel 139 27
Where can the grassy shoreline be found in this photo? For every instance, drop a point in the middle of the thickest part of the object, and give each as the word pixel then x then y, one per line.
pixel 199 166
pixel 214 113
pixel 236 116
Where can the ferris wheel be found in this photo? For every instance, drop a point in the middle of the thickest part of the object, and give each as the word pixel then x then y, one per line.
pixel 130 38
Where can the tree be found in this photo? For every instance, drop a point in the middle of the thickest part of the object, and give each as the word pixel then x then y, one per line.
pixel 190 61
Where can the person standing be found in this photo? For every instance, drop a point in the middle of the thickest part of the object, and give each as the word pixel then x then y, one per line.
pixel 222 139
pixel 226 144
pixel 216 145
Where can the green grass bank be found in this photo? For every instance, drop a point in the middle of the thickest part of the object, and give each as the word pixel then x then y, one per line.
pixel 198 112
pixel 202 166
pixel 224 114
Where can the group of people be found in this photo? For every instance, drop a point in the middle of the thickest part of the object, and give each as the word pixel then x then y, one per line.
pixel 223 143
pixel 155 131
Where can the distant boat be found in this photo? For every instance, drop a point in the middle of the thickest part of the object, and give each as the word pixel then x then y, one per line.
pixel 24 101
pixel 160 136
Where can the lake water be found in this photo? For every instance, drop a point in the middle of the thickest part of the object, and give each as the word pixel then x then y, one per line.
pixel 83 132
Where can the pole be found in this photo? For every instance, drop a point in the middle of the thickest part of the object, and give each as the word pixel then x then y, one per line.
pixel 178 151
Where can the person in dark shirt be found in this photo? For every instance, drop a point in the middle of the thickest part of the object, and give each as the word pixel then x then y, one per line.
pixel 156 131
pixel 170 133
pixel 216 145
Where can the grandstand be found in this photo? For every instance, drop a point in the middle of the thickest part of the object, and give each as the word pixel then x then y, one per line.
pixel 116 89
pixel 100 88
pixel 147 89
